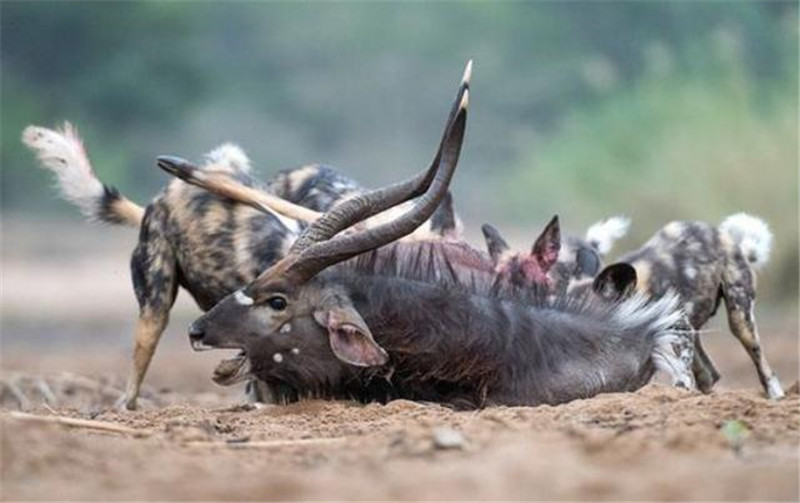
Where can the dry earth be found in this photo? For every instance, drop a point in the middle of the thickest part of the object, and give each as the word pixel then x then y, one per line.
pixel 657 444
pixel 67 320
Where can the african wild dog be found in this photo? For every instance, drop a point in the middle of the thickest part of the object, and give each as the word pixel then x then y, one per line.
pixel 362 316
pixel 555 261
pixel 705 265
pixel 188 237
pixel 702 263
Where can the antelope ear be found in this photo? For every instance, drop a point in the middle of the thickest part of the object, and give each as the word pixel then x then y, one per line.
pixel 495 243
pixel 548 244
pixel 350 338
pixel 616 281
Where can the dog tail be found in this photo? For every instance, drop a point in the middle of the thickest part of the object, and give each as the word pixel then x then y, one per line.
pixel 61 151
pixel 229 158
pixel 753 236
pixel 602 235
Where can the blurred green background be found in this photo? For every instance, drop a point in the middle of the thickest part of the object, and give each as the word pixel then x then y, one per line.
pixel 659 110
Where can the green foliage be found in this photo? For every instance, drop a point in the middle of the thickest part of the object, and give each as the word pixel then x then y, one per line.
pixel 735 433
pixel 661 110
pixel 676 145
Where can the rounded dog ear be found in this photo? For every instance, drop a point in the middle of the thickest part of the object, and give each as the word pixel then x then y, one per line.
pixel 350 338
pixel 616 281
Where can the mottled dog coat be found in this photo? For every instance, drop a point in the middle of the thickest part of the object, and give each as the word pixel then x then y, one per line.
pixel 319 187
pixel 703 264
pixel 706 265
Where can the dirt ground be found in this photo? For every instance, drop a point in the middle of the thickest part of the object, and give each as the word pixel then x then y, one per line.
pixel 193 440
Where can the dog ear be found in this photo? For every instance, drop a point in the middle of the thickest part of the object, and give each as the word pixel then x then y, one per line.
pixel 495 243
pixel 616 281
pixel 548 244
pixel 587 262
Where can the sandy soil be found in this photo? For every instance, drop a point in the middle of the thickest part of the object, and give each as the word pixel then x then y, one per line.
pixel 657 444
pixel 65 350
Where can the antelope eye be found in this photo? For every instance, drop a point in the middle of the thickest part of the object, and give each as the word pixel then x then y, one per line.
pixel 277 303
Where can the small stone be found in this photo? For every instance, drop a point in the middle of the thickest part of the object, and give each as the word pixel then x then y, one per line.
pixel 448 438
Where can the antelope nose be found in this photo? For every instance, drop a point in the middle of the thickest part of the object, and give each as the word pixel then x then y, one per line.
pixel 196 333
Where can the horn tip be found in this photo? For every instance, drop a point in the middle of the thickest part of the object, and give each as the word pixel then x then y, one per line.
pixel 467 73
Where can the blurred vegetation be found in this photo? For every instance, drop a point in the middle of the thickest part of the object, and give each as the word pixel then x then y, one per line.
pixel 660 110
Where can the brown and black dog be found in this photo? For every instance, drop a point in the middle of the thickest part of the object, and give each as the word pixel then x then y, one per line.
pixel 704 264
pixel 188 237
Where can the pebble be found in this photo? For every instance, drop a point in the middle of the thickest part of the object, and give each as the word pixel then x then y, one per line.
pixel 448 438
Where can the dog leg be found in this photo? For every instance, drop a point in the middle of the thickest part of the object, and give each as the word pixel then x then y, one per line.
pixel 148 332
pixel 705 373
pixel 739 294
pixel 154 272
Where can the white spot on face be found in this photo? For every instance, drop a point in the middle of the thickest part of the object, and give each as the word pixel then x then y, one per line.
pixel 243 299
pixel 286 328
pixel 295 351
pixel 277 357
pixel 690 272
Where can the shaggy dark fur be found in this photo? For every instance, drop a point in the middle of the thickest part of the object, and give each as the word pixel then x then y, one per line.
pixel 450 334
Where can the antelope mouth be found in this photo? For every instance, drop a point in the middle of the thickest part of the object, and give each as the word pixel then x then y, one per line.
pixel 232 370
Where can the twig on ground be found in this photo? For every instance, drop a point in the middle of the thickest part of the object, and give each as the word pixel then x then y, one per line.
pixel 79 423
pixel 269 444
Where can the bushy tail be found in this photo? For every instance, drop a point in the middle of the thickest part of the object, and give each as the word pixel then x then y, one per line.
pixel 753 236
pixel 228 157
pixel 601 236
pixel 61 151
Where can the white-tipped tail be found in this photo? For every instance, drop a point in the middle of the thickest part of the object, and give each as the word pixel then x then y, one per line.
pixel 753 236
pixel 603 234
pixel 61 151
pixel 228 157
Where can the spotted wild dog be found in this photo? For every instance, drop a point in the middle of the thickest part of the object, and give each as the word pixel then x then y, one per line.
pixel 188 237
pixel 704 264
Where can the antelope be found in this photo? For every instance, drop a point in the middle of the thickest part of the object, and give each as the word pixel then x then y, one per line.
pixel 364 316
